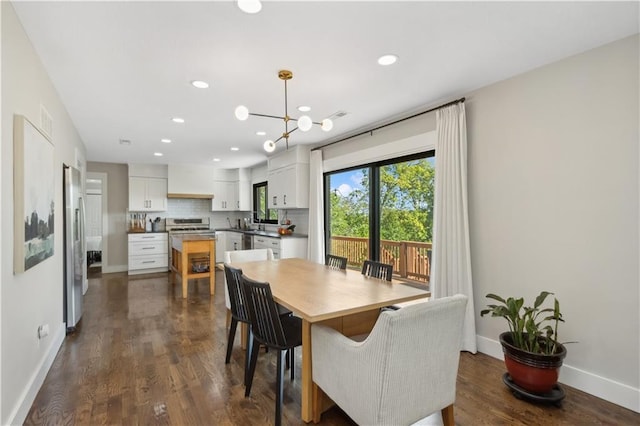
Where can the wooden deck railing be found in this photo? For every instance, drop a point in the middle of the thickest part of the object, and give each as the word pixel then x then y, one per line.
pixel 410 259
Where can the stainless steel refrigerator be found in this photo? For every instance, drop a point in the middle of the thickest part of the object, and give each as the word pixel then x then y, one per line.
pixel 74 247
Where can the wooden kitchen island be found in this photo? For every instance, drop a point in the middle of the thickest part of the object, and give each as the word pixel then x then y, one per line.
pixel 187 254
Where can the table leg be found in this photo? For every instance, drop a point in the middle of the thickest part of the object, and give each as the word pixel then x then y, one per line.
pixel 184 271
pixel 307 378
pixel 212 268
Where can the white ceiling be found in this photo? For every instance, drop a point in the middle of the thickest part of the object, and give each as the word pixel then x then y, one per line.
pixel 123 69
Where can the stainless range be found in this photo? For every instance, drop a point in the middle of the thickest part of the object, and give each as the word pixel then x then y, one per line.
pixel 193 225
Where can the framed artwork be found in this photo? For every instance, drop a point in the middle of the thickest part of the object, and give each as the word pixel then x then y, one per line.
pixel 33 195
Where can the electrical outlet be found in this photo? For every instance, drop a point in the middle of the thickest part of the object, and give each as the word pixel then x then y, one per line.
pixel 43 331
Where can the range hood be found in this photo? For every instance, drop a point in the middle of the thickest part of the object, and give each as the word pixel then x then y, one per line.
pixel 181 195
pixel 190 181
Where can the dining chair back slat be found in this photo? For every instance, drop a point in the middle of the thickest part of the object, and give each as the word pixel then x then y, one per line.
pixel 379 270
pixel 263 313
pixel 335 262
pixel 236 295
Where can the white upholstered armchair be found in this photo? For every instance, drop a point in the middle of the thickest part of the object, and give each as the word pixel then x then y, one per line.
pixel 403 372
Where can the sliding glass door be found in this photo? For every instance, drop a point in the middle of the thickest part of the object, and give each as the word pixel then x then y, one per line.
pixel 348 207
pixel 384 212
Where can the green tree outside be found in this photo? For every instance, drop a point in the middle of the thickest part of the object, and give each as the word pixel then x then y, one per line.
pixel 406 202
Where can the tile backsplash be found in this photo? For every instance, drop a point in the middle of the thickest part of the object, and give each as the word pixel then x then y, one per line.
pixel 192 207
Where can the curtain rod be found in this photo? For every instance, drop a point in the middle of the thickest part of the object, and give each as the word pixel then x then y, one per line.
pixel 390 124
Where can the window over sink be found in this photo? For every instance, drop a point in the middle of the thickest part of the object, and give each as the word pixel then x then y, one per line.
pixel 261 213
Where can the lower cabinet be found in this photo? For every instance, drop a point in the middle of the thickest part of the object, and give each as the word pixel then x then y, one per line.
pixel 234 241
pixel 283 248
pixel 221 245
pixel 148 252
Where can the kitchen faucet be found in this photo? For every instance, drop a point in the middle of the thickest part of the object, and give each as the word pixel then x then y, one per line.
pixel 260 222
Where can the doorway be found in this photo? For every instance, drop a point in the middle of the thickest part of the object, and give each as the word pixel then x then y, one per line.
pixel 96 223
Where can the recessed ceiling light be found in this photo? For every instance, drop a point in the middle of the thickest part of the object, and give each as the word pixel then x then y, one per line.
pixel 387 59
pixel 250 6
pixel 216 159
pixel 261 133
pixel 235 148
pixel 304 108
pixel 165 140
pixel 177 120
pixel 200 84
pixel 157 154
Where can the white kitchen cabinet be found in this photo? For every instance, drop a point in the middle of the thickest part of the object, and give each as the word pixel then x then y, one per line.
pixel 148 253
pixel 190 181
pixel 283 248
pixel 147 194
pixel 221 245
pixel 231 190
pixel 289 187
pixel 225 196
pixel 234 241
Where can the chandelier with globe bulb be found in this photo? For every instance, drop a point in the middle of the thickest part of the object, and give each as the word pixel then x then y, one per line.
pixel 303 123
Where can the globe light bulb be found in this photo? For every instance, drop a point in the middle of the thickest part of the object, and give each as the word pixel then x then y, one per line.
pixel 305 123
pixel 250 6
pixel 326 125
pixel 242 113
pixel 269 146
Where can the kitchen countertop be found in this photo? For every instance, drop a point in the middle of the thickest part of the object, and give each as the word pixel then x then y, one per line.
pixel 147 232
pixel 272 234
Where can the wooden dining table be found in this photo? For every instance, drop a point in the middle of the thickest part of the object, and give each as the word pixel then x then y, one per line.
pixel 345 300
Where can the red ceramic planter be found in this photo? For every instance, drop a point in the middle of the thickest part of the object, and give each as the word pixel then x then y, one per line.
pixel 537 373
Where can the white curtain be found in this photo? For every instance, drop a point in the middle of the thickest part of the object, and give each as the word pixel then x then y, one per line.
pixel 451 270
pixel 316 209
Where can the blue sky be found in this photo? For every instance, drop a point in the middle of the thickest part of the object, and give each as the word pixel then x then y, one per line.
pixel 346 182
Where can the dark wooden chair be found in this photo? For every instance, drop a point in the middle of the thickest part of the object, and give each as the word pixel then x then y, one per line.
pixel 335 262
pixel 272 330
pixel 239 313
pixel 379 270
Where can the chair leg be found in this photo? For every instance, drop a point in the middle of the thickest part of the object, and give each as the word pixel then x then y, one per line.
pixel 292 354
pixel 279 387
pixel 252 366
pixel 230 339
pixel 247 356
pixel 447 416
pixel 288 359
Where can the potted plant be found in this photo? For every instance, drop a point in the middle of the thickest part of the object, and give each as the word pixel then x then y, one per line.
pixel 532 354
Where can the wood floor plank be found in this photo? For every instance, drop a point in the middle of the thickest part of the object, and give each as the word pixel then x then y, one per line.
pixel 143 355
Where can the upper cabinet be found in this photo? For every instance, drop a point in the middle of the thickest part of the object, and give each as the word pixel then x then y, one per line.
pixel 289 187
pixel 231 190
pixel 225 196
pixel 147 188
pixel 190 181
pixel 288 179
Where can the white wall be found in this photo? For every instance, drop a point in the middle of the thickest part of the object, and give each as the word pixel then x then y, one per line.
pixel 115 243
pixel 34 297
pixel 553 205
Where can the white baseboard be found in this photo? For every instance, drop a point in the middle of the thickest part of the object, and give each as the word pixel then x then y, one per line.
pixel 20 412
pixel 601 387
pixel 114 268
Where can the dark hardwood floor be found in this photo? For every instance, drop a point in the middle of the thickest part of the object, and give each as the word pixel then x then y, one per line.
pixel 143 355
